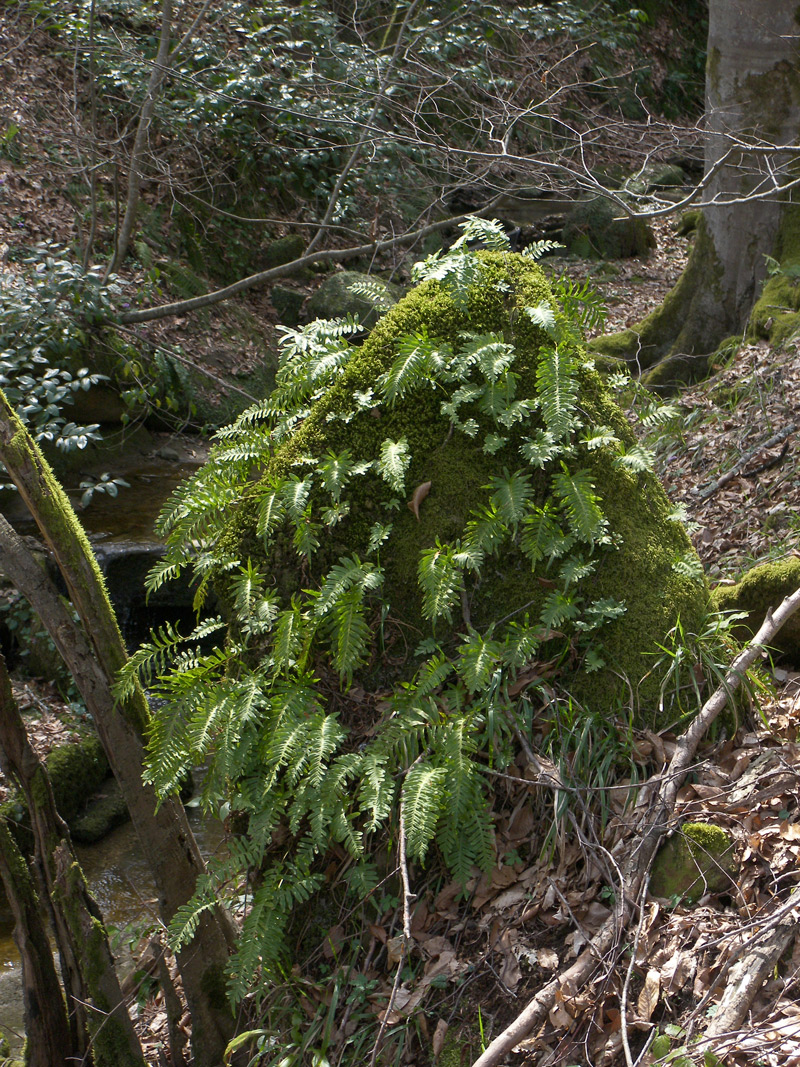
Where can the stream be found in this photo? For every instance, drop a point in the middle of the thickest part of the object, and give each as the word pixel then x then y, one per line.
pixel 121 883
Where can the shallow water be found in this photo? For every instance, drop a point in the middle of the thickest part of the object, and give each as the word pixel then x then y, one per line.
pixel 122 886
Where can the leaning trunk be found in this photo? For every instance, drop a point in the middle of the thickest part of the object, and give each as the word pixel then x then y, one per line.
pixel 101 1021
pixel 94 656
pixel 48 1039
pixel 752 109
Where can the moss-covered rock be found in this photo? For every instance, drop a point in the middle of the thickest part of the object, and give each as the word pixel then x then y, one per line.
pixel 761 589
pixel 76 771
pixel 592 230
pixel 352 293
pixel 655 177
pixel 695 861
pixel 640 564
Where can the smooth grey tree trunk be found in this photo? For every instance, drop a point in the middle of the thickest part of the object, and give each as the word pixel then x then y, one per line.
pixel 752 115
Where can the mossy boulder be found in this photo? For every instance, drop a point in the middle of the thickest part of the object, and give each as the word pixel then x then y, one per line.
pixel 761 589
pixel 351 293
pixel 695 861
pixel 644 558
pixel 593 230
pixel 76 771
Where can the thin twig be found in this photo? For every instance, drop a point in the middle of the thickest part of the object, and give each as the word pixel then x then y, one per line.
pixel 408 900
pixel 728 476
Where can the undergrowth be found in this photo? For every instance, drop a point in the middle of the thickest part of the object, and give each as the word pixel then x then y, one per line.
pixel 270 697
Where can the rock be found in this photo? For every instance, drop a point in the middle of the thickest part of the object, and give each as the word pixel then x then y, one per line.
pixel 762 588
pixel 654 178
pixel 641 569
pixel 283 250
pixel 288 304
pixel 76 771
pixel 696 860
pixel 103 814
pixel 593 230
pixel 352 293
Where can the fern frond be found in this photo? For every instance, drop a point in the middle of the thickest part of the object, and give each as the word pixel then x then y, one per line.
pixel 423 799
pixel 599 437
pixel 543 316
pixel 418 358
pixel 441 580
pixel 393 462
pixel 558 608
pixel 558 390
pixel 636 458
pixel 580 503
pixel 540 449
pixel 349 633
pixel 542 536
pixel 510 495
pixel 477 660
pixel 536 249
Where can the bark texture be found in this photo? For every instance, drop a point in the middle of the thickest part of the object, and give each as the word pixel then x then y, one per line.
pixel 98 1015
pixel 94 656
pixel 48 1039
pixel 752 115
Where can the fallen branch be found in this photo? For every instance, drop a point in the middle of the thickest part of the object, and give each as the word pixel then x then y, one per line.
pixel 641 856
pixel 728 476
pixel 337 255
pixel 751 970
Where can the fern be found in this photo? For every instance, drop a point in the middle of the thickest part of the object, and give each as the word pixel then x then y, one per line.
pixel 423 798
pixel 350 633
pixel 635 458
pixel 510 496
pixel 580 503
pixel 419 357
pixel 393 462
pixel 581 304
pixel 441 580
pixel 536 249
pixel 544 317
pixel 558 390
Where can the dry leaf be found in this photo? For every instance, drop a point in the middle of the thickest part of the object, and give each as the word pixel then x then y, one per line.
pixel 648 998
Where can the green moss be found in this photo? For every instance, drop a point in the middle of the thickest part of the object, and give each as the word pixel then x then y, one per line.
pixel 674 371
pixel 775 315
pixel 695 861
pixel 641 570
pixel 76 771
pixel 761 589
pixel 214 986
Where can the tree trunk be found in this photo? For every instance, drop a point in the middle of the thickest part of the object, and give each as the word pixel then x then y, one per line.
pixel 94 657
pixel 48 1040
pixel 95 1000
pixel 752 114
